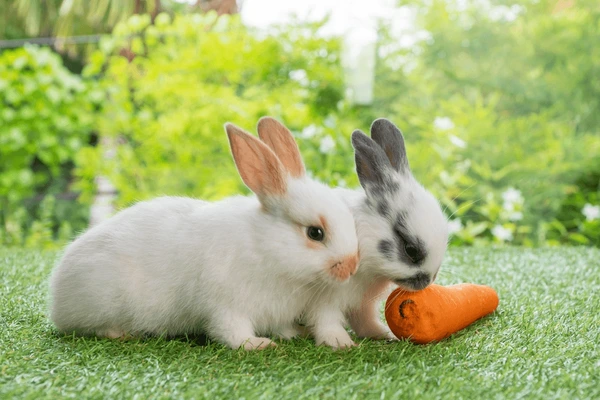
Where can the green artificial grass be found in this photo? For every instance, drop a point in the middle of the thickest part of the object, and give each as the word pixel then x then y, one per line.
pixel 543 342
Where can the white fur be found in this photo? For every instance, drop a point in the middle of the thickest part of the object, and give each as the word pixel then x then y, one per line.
pixel 360 300
pixel 230 269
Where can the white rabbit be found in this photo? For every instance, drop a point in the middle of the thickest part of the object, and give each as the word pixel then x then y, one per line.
pixel 234 269
pixel 402 231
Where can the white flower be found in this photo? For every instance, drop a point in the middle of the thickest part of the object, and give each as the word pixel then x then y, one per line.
pixel 502 233
pixel 454 226
pixel 342 182
pixel 591 212
pixel 327 144
pixel 309 132
pixel 515 216
pixel 458 142
pixel 510 207
pixel 300 76
pixel 443 123
pixel 511 196
pixel 329 122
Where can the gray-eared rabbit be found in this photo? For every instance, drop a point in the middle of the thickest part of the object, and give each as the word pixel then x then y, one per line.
pixel 237 269
pixel 402 231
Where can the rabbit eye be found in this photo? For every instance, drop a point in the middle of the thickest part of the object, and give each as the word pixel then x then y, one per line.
pixel 315 233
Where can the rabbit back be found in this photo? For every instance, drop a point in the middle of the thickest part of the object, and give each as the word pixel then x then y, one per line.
pixel 162 266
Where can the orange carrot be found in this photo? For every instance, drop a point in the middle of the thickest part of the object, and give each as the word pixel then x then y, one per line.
pixel 437 312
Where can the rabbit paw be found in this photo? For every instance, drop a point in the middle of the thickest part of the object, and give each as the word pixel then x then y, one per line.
pixel 336 340
pixel 258 343
pixel 112 334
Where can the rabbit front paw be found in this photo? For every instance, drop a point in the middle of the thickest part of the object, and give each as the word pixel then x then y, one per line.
pixel 336 340
pixel 258 343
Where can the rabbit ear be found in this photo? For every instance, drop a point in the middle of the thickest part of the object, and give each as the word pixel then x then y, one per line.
pixel 371 161
pixel 279 138
pixel 389 137
pixel 258 166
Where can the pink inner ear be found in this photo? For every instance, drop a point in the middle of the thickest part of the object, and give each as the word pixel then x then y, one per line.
pixel 366 168
pixel 258 166
pixel 279 138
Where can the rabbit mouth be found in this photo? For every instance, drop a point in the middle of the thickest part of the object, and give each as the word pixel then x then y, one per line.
pixel 418 282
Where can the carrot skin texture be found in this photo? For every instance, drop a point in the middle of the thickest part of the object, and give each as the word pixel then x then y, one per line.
pixel 436 312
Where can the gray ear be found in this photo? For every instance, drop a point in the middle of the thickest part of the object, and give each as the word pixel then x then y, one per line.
pixel 389 137
pixel 371 161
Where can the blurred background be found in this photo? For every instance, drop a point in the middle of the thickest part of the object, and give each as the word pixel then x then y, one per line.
pixel 104 103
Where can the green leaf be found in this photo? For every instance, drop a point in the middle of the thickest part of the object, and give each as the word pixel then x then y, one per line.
pixel 475 229
pixel 578 238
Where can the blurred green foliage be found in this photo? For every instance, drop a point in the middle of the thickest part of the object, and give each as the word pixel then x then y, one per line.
pixel 46 116
pixel 499 103
pixel 497 97
pixel 189 76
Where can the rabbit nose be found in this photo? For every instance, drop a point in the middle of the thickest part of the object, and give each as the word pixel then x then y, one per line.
pixel 344 269
pixel 417 282
pixel 420 281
